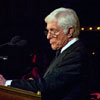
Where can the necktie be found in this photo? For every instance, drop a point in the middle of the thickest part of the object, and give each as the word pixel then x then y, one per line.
pixel 57 53
pixel 50 67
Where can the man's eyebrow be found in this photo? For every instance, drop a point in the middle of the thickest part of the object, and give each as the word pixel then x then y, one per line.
pixel 52 29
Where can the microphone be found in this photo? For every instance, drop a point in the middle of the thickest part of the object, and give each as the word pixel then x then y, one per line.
pixel 21 43
pixel 2 45
pixel 15 41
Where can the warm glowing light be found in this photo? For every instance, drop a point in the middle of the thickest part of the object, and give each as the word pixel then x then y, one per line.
pixel 93 53
pixel 38 93
pixel 82 28
pixel 90 28
pixel 98 28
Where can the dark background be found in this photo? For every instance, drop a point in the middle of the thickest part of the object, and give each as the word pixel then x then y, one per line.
pixel 26 18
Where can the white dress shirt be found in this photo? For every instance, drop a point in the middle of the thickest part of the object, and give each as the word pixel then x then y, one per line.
pixel 69 44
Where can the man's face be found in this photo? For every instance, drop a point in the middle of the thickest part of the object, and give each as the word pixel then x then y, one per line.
pixel 56 36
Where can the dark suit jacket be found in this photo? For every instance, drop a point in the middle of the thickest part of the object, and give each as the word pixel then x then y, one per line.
pixel 65 79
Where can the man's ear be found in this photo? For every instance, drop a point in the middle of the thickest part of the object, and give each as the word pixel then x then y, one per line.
pixel 71 31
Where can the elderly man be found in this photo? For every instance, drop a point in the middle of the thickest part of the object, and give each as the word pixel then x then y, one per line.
pixel 66 77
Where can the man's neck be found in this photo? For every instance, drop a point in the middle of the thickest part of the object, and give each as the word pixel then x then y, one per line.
pixel 69 44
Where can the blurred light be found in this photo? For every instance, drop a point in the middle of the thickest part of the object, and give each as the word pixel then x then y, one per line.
pixel 90 28
pixel 4 58
pixel 38 93
pixel 82 28
pixel 98 28
pixel 93 53
pixel 34 58
pixel 31 78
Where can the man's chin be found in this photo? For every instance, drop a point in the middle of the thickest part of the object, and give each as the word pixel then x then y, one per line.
pixel 54 48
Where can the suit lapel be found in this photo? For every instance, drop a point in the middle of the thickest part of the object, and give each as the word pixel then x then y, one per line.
pixel 59 57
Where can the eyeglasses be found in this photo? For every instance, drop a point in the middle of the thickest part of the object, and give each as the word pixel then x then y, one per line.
pixel 54 32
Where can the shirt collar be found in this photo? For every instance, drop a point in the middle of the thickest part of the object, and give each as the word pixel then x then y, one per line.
pixel 69 44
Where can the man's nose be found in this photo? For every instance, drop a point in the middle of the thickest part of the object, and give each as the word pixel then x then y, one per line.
pixel 48 35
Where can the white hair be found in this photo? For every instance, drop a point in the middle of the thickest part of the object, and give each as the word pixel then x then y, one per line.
pixel 66 18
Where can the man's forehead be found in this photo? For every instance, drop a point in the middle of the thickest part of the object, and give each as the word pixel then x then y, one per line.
pixel 52 24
